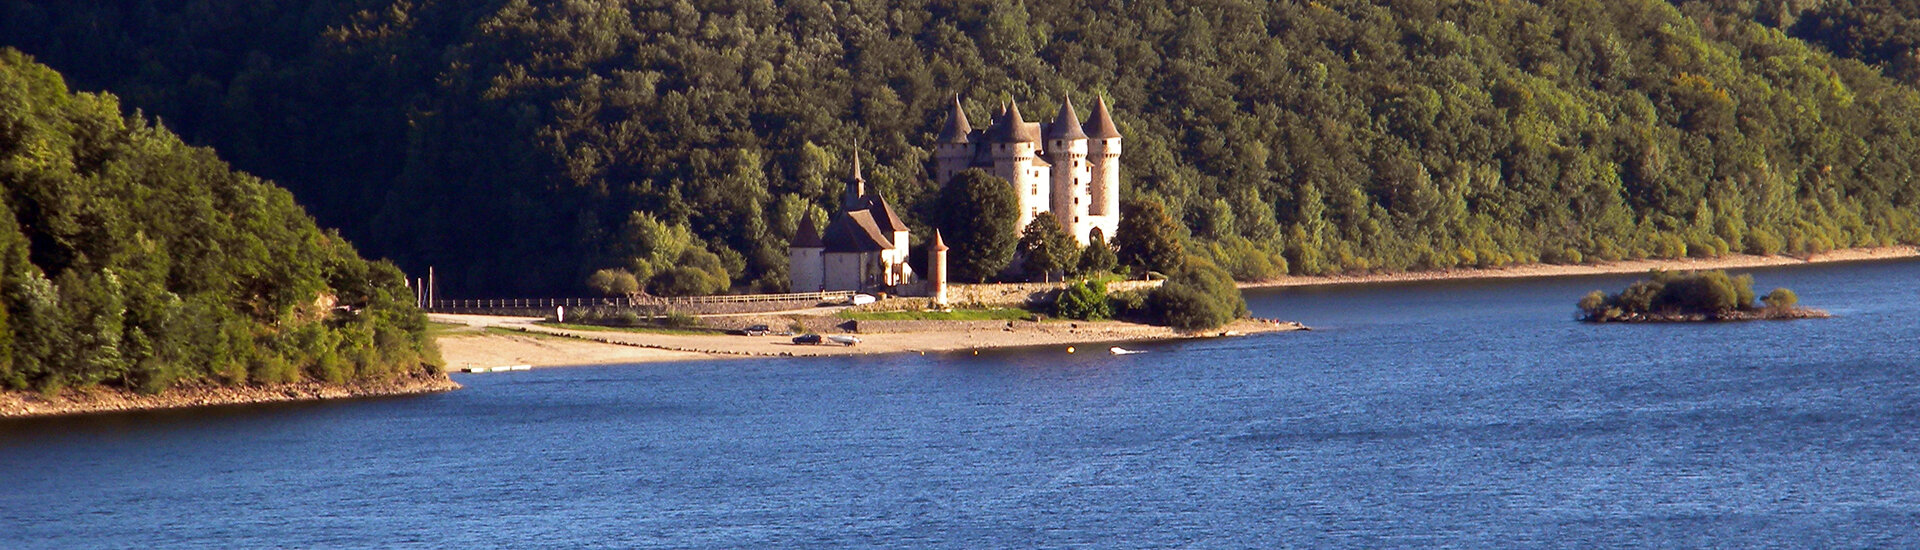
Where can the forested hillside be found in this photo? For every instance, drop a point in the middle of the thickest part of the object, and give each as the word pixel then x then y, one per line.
pixel 518 146
pixel 130 259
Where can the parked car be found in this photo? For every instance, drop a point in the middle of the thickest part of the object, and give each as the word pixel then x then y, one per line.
pixel 756 330
pixel 809 339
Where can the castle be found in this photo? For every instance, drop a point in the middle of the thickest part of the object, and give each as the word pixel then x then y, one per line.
pixel 1064 168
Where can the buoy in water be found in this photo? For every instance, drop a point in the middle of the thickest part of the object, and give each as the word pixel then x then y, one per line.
pixel 1069 349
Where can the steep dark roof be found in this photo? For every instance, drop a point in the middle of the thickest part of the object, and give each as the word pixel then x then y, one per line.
pixel 1066 125
pixel 807 236
pixel 1101 125
pixel 957 128
pixel 855 231
pixel 1011 129
pixel 883 216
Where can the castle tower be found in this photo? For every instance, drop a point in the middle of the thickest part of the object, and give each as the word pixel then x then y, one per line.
pixel 937 270
pixel 1103 155
pixel 953 151
pixel 1016 148
pixel 1067 151
pixel 805 271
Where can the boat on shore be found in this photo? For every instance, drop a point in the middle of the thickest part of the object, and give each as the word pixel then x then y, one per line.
pixel 844 339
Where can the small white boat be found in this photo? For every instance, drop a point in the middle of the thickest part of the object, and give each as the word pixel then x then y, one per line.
pixel 844 339
pixel 1117 350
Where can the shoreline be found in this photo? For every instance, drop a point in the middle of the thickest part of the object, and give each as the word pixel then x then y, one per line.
pixel 1541 271
pixel 544 346
pixel 27 404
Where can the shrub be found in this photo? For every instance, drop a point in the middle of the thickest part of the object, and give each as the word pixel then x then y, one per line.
pixel 677 319
pixel 1781 298
pixel 1197 296
pixel 1084 300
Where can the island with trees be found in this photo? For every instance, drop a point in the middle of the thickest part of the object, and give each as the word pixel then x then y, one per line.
pixel 1694 296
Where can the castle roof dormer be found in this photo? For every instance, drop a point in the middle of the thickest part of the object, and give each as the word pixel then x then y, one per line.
pixel 1066 125
pixel 1101 125
pixel 1012 129
pixel 957 128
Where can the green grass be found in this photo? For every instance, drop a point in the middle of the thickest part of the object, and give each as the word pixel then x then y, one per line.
pixel 527 333
pixel 441 329
pixel 644 330
pixel 997 314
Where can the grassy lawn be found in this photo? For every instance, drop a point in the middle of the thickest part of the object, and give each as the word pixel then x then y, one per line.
pixel 442 329
pixel 997 314
pixel 526 333
pixel 645 330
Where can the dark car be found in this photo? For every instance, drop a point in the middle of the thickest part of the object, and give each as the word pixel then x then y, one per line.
pixel 756 330
pixel 807 339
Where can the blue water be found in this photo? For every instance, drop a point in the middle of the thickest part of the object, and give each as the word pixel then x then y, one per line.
pixel 1440 414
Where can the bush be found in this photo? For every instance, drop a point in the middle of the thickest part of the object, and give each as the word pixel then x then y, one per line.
pixel 1781 298
pixel 1197 296
pixel 1132 303
pixel 677 319
pixel 1085 300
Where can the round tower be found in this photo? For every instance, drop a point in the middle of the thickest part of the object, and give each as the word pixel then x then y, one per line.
pixel 1016 148
pixel 1103 154
pixel 937 270
pixel 953 150
pixel 1066 145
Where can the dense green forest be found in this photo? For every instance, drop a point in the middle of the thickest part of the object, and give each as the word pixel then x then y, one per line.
pixel 519 146
pixel 130 259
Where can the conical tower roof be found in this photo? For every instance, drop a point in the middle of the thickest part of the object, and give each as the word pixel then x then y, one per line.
pixel 806 236
pixel 1101 125
pixel 1013 129
pixel 939 244
pixel 1066 125
pixel 957 127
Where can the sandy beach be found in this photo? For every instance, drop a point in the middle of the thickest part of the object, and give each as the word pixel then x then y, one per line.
pixel 1634 266
pixel 538 345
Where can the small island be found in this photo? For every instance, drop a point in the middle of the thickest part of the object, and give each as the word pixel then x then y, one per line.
pixel 1692 296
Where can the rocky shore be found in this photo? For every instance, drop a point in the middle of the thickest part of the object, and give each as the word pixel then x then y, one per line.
pixel 1765 314
pixel 14 404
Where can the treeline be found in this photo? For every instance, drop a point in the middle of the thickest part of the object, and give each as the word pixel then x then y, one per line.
pixel 130 259
pixel 520 146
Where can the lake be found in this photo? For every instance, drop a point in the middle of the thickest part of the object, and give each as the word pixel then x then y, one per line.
pixel 1459 414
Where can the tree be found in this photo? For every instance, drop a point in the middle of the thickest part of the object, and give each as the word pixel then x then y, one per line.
pixel 1097 257
pixel 1148 238
pixel 1047 247
pixel 614 282
pixel 977 218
